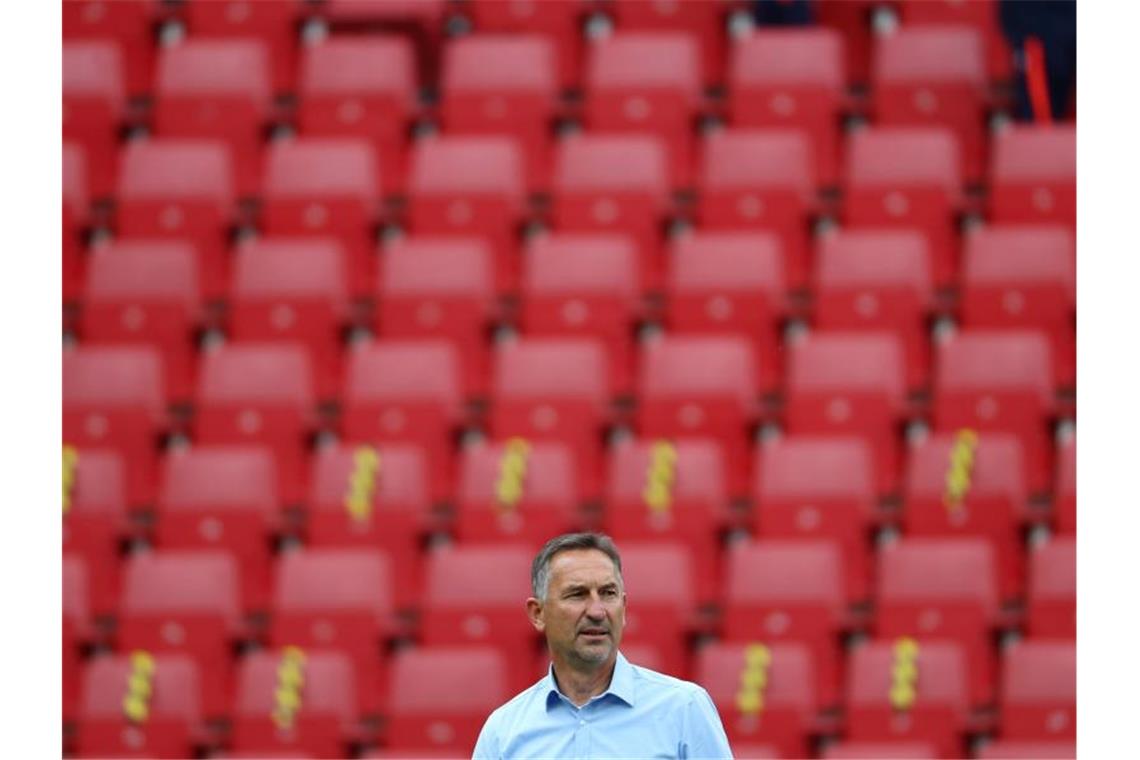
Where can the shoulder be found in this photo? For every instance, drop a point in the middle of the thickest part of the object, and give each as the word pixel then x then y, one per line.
pixel 520 703
pixel 665 685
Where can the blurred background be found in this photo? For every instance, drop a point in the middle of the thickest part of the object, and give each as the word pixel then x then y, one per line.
pixel 363 300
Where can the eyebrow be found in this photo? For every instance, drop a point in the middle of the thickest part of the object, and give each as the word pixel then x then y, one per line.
pixel 583 587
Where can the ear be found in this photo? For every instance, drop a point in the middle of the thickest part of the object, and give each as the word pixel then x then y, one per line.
pixel 534 614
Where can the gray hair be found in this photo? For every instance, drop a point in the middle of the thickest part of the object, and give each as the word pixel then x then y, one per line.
pixel 540 568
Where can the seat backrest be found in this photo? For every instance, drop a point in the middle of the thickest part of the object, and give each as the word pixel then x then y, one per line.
pixel 401 477
pixel 113 377
pixel 997 469
pixel 1035 153
pixel 485 63
pixel 328 687
pixel 181 582
pixel 257 373
pixel 144 271
pixel 482 165
pixel 99 485
pixel 230 68
pixel 872 258
pixel 848 750
pixel 360 66
pixel 1014 254
pixel 942 674
pixel 486 577
pixel 830 361
pixel 645 61
pixel 774 571
pixel 1053 570
pixel 550 476
pixel 76 607
pixel 94 69
pixel 290 267
pixel 892 156
pixel 698 471
pixel 659 574
pixel 790 681
pixel 552 369
pixel 423 265
pixel 678 367
pixel 313 167
pixel 759 158
pixel 174 686
pixel 237 478
pixel 729 261
pixel 319 580
pixel 1039 672
pixel 930 55
pixel 572 263
pixel 937 570
pixel 446 680
pixel 605 163
pixel 789 469
pixel 803 56
pixel 404 370
pixel 984 360
pixel 175 168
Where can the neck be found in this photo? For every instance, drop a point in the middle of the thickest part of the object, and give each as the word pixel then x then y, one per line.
pixel 580 684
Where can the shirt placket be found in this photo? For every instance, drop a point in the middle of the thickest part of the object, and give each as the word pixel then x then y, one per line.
pixel 582 734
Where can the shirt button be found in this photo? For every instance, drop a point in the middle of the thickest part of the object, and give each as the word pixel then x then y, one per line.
pixel 581 723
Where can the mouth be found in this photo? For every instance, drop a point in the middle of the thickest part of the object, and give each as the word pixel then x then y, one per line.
pixel 594 634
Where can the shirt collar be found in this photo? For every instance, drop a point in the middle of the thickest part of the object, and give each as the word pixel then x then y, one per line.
pixel 621 684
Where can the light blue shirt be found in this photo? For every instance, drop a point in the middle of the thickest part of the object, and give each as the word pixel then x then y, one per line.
pixel 643 714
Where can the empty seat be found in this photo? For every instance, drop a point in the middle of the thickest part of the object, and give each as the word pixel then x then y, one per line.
pixel 1039 691
pixel 1033 175
pixel 763 180
pixel 791 78
pixel 794 501
pixel 185 602
pixel 1065 489
pixel 999 380
pixel 647 82
pixel 180 189
pixel 76 630
pixel 909 690
pixel 76 213
pixel 907 177
pixel 704 23
pixel 789 590
pixel 471 185
pixel 361 87
pixel 697 386
pixel 112 398
pixel 869 279
pixel 218 89
pixel 273 23
pixel 751 751
pixel 559 23
pixel 659 579
pixel 139 705
pixel 981 16
pixel 516 490
pixel 95 518
pixel 129 24
pixel 1052 590
pixel 848 750
pixel 584 285
pixel 851 19
pixel 94 106
pixel 671 490
pixel 326 187
pixel 500 84
pixel 935 75
pixel 765 693
pixel 145 292
pixel 721 283
pixel 433 287
pixel 441 696
pixel 373 496
pixel 475 595
pixel 942 589
pixel 293 290
pixel 295 699
pixel 222 497
pixel 1007 749
pixel 407 391
pixel 614 184
pixel 851 383
pixel 964 484
pixel 260 393
pixel 554 389
pixel 337 598
pixel 1024 277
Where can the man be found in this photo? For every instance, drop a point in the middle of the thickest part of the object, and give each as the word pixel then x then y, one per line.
pixel 593 703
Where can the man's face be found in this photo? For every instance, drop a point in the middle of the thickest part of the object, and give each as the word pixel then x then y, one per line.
pixel 584 610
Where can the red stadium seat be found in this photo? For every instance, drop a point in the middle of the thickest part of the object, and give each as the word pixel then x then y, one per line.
pixel 981 16
pixel 265 718
pixel 792 79
pixel 723 283
pixel 440 697
pixel 1033 175
pixel 999 380
pixel 793 501
pixel 474 595
pixel 76 219
pixel 584 285
pixel 516 490
pixel 293 290
pixel 407 391
pixel 1039 691
pixel 76 629
pixel 907 177
pixel 160 724
pixel 614 184
pixel 146 293
pixel 671 490
pixel 378 497
pixel 935 76
pixel 963 484
pixel 1003 749
pixel 933 710
pixel 697 386
pixel 942 589
pixel 704 23
pixel 260 393
pixel 180 189
pixel 186 602
pixel 647 82
pixel 218 89
pixel 658 577
pixel 1024 276
pixel 222 497
pixel 766 694
pixel 1065 490
pixel 318 187
pixel 760 180
pixel 500 84
pixel 274 23
pixel 747 751
pixel 128 23
pixel 342 599
pixel 361 87
pixel 789 590
pixel 440 288
pixel 94 106
pixel 95 518
pixel 112 398
pixel 465 186
pixel 848 750
pixel 554 389
pixel 1052 590
pixel 560 23
pixel 852 20
pixel 878 280
pixel 851 383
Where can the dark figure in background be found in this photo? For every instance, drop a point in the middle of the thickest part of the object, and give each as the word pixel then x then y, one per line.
pixel 782 12
pixel 1042 29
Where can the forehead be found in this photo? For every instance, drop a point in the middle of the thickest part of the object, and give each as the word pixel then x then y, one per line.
pixel 588 566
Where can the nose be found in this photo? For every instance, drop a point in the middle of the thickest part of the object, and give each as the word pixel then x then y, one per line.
pixel 596 610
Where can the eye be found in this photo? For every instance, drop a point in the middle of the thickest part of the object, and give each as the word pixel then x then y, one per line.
pixel 609 593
